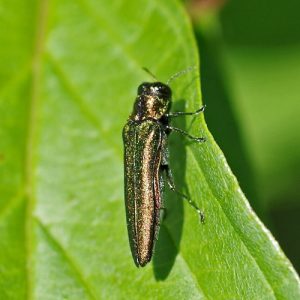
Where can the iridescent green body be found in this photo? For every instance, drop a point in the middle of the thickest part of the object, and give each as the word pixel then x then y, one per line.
pixel 145 162
pixel 145 138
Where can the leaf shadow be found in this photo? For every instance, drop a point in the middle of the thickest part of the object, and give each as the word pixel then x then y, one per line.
pixel 168 243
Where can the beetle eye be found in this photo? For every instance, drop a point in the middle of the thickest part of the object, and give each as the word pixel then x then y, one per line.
pixel 165 91
pixel 142 88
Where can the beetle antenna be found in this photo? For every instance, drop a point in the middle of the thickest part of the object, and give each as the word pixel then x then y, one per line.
pixel 150 73
pixel 174 76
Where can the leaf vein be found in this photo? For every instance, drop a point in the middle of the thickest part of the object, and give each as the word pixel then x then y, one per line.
pixel 186 263
pixel 229 221
pixel 100 20
pixel 76 269
pixel 12 202
pixel 29 153
pixel 86 112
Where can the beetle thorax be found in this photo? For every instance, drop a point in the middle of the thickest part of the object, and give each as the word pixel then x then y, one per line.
pixel 149 106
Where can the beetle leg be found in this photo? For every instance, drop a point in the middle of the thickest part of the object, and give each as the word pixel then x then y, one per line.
pixel 180 113
pixel 172 187
pixel 197 139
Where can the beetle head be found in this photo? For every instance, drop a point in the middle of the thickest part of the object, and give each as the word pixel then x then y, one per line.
pixel 153 100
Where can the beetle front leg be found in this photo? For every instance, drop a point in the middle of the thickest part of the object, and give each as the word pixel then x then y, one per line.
pixel 181 113
pixel 171 184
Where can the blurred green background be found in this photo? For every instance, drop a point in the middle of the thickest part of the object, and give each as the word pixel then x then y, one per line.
pixel 250 77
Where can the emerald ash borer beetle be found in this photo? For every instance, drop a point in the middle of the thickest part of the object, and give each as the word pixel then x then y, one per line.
pixel 146 165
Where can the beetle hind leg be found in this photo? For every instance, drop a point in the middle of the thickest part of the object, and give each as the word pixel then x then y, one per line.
pixel 171 184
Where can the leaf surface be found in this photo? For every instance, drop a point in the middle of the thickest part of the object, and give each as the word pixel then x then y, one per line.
pixel 69 73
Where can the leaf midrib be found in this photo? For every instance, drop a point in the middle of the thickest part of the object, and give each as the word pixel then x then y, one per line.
pixel 29 150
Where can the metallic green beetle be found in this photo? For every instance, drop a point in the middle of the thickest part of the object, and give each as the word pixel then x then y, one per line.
pixel 146 161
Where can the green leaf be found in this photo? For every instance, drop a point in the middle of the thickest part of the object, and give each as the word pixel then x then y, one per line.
pixel 69 72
